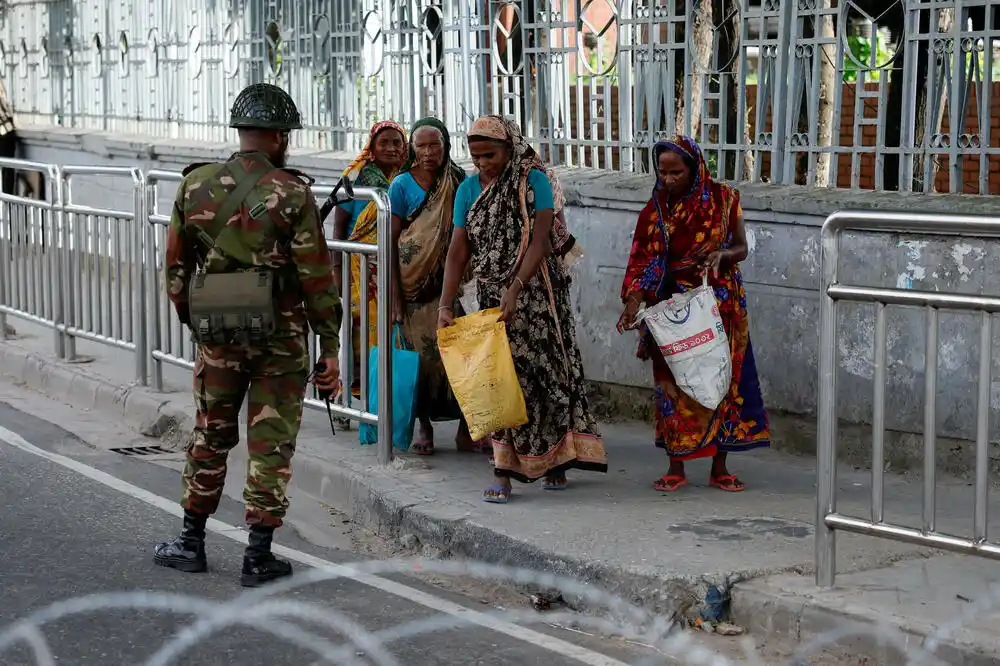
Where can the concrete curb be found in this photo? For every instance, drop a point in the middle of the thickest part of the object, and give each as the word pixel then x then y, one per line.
pixel 144 411
pixel 767 610
pixel 379 499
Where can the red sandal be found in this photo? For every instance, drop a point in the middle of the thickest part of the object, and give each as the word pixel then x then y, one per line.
pixel 727 482
pixel 669 483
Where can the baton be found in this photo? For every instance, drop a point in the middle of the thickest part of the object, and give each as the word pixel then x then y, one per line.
pixel 331 201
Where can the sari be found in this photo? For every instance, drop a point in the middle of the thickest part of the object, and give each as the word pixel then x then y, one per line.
pixel 672 239
pixel 561 433
pixel 422 251
pixel 365 173
pixel 564 244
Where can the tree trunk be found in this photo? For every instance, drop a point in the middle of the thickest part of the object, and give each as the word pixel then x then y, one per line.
pixel 828 80
pixel 701 62
pixel 945 21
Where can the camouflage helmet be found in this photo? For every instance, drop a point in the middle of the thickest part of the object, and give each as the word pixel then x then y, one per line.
pixel 264 106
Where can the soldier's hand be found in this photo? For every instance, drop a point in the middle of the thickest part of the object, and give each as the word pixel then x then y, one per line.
pixel 329 379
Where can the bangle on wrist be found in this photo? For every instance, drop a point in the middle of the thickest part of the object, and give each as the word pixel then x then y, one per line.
pixel 444 307
pixel 519 281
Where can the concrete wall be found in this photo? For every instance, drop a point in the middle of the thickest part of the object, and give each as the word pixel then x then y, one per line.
pixel 782 282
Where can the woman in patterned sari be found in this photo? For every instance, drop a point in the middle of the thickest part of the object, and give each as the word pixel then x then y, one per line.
pixel 693 225
pixel 423 200
pixel 356 220
pixel 503 226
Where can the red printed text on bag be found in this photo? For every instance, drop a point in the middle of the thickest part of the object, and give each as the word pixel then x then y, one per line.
pixel 684 345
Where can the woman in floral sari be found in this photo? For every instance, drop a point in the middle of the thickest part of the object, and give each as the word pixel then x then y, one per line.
pixel 356 220
pixel 423 199
pixel 504 226
pixel 691 226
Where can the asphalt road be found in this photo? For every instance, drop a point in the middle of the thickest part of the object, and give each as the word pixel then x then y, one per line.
pixel 65 534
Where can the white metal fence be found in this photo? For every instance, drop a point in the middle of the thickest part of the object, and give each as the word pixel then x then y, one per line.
pixel 887 94
pixel 828 519
pixel 97 274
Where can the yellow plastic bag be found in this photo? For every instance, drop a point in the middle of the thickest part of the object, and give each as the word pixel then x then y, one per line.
pixel 480 368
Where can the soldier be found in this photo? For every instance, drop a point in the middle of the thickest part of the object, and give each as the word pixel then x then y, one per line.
pixel 248 271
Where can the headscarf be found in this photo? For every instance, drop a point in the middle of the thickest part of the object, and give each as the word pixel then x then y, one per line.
pixel 698 200
pixel 504 202
pixel 448 166
pixel 705 204
pixel 369 175
pixel 495 129
pixel 489 127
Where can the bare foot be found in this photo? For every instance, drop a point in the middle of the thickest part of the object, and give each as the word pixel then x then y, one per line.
pixel 464 443
pixel 423 443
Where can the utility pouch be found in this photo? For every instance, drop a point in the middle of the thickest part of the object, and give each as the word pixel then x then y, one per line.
pixel 235 307
pixel 232 308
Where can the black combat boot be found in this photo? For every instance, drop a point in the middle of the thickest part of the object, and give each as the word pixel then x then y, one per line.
pixel 259 565
pixel 187 551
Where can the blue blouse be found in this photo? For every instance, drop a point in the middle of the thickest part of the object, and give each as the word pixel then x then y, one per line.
pixel 355 207
pixel 470 190
pixel 405 195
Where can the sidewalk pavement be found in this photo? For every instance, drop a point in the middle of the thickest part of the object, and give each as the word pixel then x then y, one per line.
pixel 656 550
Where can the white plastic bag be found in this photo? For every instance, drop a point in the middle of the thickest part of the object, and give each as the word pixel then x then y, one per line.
pixel 689 331
pixel 468 299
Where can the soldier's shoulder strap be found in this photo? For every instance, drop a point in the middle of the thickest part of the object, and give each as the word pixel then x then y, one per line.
pixel 301 175
pixel 191 167
pixel 244 185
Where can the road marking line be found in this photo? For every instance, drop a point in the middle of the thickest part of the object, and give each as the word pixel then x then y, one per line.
pixel 551 643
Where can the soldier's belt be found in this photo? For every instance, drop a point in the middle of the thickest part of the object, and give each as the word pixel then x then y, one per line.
pixel 232 308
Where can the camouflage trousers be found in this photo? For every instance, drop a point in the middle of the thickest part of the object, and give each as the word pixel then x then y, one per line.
pixel 274 377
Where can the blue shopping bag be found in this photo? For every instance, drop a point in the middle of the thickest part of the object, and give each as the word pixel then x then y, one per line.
pixel 405 372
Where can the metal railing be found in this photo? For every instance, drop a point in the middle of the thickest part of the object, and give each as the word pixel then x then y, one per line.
pixel 105 277
pixel 97 274
pixel 31 268
pixel 828 519
pixel 169 340
pixel 383 255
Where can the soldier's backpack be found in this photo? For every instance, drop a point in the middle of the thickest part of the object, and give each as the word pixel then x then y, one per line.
pixel 236 307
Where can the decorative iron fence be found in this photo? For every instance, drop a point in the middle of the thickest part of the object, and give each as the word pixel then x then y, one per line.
pixel 890 94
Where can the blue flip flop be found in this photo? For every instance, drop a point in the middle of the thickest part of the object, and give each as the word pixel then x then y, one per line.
pixel 500 494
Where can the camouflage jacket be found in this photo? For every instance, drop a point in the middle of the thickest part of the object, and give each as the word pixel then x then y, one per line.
pixel 284 233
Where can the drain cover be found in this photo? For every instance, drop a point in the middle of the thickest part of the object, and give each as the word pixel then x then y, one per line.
pixel 144 451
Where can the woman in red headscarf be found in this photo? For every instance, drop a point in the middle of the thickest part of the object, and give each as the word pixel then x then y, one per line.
pixel 355 220
pixel 693 225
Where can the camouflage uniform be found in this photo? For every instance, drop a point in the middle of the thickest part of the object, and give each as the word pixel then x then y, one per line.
pixel 289 239
pixel 279 229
